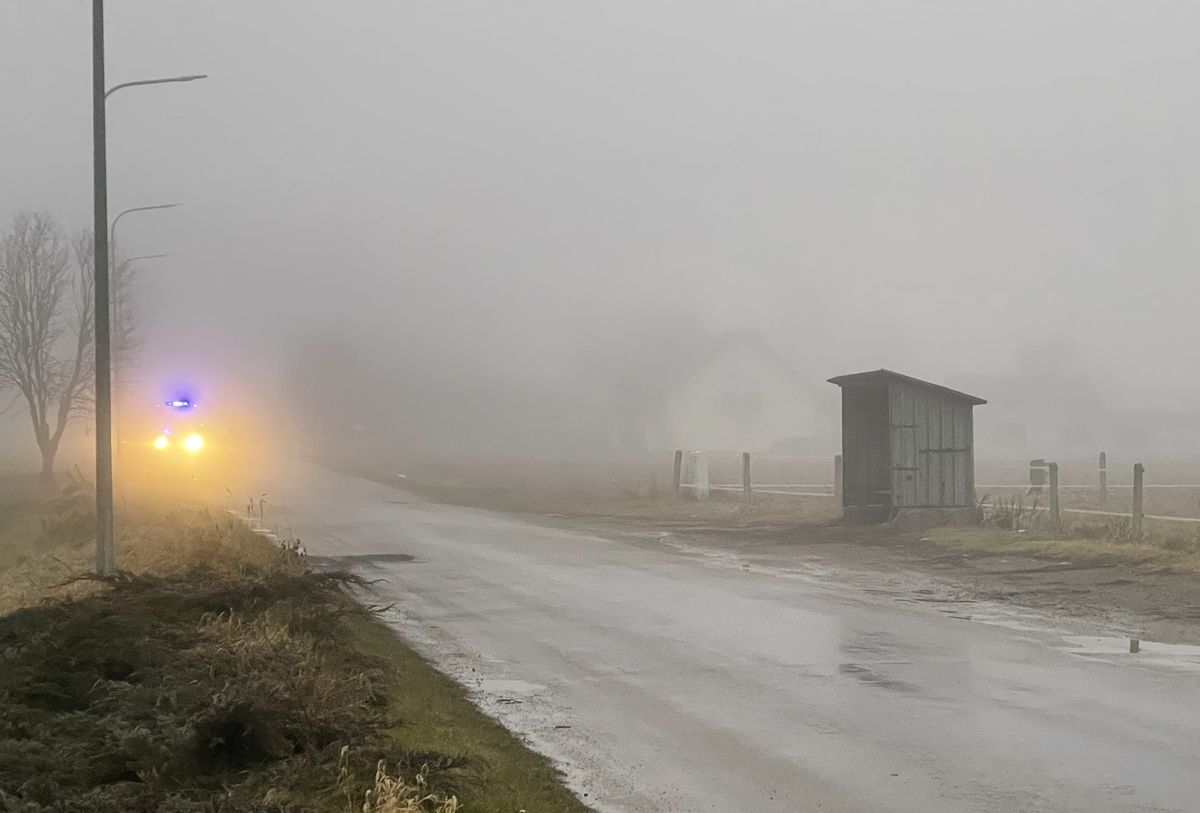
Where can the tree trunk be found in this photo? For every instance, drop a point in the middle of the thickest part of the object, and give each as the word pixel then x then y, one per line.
pixel 49 452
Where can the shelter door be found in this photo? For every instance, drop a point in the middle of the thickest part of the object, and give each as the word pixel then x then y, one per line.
pixel 906 472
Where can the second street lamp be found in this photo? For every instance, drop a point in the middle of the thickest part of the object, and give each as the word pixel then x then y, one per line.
pixel 118 343
pixel 163 81
pixel 112 230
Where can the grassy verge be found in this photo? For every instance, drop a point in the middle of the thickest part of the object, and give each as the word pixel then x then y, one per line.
pixel 1013 528
pixel 430 714
pixel 1065 548
pixel 220 674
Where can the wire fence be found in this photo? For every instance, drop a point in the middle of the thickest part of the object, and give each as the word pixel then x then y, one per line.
pixel 700 473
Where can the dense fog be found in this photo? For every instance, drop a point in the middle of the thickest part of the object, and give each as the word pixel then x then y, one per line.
pixel 525 228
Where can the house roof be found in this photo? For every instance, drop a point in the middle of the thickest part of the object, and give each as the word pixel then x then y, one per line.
pixel 888 375
pixel 644 383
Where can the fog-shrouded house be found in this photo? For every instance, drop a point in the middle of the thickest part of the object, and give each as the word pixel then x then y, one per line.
pixel 1041 414
pixel 733 393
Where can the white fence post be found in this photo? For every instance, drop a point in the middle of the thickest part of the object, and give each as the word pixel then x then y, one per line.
pixel 700 475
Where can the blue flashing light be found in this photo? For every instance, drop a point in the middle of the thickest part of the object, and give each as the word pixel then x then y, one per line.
pixel 178 403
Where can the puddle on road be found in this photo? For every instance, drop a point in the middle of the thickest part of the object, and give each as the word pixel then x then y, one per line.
pixel 1036 626
pixel 365 558
pixel 1176 657
pixel 870 677
pixel 895 587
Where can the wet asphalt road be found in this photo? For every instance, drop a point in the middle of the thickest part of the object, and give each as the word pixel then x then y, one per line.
pixel 664 678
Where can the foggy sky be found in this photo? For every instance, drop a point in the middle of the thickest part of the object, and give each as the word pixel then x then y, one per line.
pixel 926 186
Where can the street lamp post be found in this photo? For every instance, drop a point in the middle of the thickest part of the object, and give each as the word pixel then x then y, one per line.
pixel 112 231
pixel 105 558
pixel 114 300
pixel 105 552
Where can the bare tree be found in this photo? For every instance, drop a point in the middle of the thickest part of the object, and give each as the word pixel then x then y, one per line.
pixel 46 326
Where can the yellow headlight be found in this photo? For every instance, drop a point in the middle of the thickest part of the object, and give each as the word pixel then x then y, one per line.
pixel 193 443
pixel 161 442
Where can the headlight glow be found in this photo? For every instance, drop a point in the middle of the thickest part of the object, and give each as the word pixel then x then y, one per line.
pixel 161 442
pixel 193 443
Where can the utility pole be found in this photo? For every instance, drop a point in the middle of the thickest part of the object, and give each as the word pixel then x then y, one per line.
pixel 105 558
pixel 105 548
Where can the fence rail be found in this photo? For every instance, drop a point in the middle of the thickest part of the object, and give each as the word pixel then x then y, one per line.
pixel 778 490
pixel 1043 480
pixel 1096 512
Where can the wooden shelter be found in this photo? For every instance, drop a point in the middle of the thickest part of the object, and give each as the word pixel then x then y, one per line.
pixel 907 446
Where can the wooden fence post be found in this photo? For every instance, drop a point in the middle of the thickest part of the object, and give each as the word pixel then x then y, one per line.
pixel 1055 509
pixel 1103 479
pixel 1138 473
pixel 678 472
pixel 746 476
pixel 838 475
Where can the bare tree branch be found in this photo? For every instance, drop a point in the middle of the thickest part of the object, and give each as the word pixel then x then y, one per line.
pixel 45 354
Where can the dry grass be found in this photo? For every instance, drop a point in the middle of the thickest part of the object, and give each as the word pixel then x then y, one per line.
pixel 1017 526
pixel 217 673
pixel 1065 548
pixel 48 544
pixel 392 793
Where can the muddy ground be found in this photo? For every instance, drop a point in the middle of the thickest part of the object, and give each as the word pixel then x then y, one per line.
pixel 1122 600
